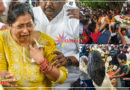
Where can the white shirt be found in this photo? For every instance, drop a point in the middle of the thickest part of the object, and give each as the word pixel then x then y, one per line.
pixel 60 25
pixel 127 39
pixel 1 24
pixel 7 4
pixel 81 29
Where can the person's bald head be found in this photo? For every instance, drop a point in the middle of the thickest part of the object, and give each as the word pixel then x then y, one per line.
pixel 52 7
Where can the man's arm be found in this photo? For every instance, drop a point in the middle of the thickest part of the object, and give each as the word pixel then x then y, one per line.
pixel 126 78
pixel 103 25
pixel 110 27
pixel 119 76
pixel 117 71
pixel 124 71
pixel 61 60
pixel 123 41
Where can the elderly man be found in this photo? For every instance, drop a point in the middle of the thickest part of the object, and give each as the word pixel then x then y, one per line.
pixel 52 18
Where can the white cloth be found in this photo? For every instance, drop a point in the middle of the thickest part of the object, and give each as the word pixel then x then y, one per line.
pixel 127 39
pixel 113 34
pixel 1 24
pixel 81 29
pixel 83 69
pixel 106 84
pixel 128 30
pixel 102 20
pixel 60 25
pixel 1 88
pixel 7 4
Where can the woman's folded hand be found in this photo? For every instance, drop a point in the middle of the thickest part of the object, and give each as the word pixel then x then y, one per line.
pixel 36 53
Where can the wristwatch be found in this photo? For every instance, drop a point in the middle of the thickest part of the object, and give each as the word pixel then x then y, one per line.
pixel 69 61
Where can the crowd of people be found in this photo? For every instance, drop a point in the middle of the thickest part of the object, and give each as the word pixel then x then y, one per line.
pixel 116 59
pixel 96 24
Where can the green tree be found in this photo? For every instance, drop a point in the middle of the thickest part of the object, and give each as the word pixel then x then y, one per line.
pixel 106 4
pixel 93 4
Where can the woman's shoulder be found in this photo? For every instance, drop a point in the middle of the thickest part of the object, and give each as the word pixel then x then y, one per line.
pixel 44 37
pixel 3 26
pixel 4 33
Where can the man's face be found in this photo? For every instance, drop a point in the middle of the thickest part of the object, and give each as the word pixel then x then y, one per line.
pixel 52 7
pixel 124 32
pixel 121 61
pixel 21 29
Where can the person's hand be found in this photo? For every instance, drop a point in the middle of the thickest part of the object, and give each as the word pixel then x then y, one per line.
pixel 60 59
pixel 10 79
pixel 73 13
pixel 111 77
pixel 110 27
pixel 126 78
pixel 109 24
pixel 36 53
pixel 119 30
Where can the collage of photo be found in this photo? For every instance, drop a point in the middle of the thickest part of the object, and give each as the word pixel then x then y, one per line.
pixel 64 44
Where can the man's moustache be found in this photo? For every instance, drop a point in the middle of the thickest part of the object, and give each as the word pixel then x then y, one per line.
pixel 50 8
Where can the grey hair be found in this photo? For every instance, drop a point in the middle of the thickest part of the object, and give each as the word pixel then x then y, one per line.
pixel 96 67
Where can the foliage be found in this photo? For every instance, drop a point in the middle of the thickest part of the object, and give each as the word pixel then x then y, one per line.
pixel 94 4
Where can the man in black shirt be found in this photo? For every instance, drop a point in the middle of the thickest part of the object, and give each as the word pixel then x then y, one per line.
pixel 123 69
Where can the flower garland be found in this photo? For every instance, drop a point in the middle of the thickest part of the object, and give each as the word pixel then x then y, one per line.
pixel 123 20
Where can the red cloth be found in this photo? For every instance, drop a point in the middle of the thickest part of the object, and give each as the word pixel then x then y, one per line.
pixel 95 36
pixel 85 39
pixel 117 11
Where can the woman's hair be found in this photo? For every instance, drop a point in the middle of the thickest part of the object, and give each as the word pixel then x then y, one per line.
pixel 17 10
pixel 92 26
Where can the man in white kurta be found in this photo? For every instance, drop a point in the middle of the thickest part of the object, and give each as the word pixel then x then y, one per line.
pixel 61 25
